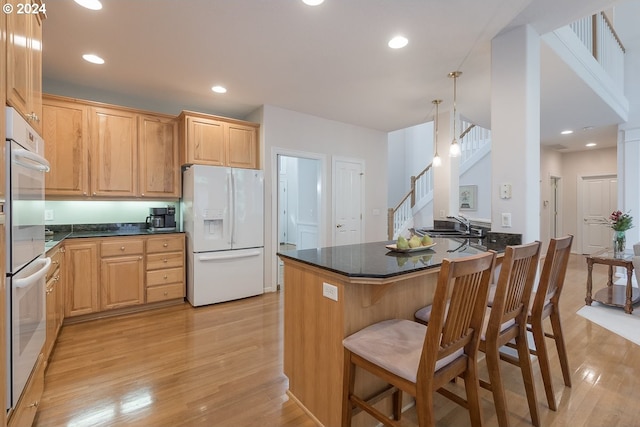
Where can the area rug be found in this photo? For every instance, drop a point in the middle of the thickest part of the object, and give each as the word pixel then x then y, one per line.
pixel 614 319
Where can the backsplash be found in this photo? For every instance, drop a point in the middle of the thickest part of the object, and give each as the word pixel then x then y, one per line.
pixel 102 212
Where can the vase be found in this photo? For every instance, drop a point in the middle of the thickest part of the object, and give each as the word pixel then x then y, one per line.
pixel 619 243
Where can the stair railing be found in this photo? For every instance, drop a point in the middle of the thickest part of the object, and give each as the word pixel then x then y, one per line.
pixel 421 185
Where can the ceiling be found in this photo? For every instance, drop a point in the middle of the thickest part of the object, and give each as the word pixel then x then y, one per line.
pixel 330 61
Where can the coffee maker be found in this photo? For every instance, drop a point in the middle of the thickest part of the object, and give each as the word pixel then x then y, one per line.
pixel 162 219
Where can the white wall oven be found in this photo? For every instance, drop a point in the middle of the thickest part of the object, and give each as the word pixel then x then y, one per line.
pixel 26 262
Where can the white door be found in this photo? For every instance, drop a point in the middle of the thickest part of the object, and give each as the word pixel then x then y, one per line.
pixel 348 191
pixel 599 199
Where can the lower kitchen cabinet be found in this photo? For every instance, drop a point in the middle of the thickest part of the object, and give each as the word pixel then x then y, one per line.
pixel 165 268
pixel 110 273
pixel 81 259
pixel 55 298
pixel 122 273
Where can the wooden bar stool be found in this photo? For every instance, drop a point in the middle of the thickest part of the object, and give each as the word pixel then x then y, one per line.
pixel 544 304
pixel 507 321
pixel 420 360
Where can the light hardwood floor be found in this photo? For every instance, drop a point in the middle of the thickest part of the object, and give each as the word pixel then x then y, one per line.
pixel 221 365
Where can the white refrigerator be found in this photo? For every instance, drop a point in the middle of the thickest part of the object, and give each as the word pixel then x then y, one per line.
pixel 223 217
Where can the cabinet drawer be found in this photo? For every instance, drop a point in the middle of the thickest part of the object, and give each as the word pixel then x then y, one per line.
pixel 56 262
pixel 165 244
pixel 121 247
pixel 168 260
pixel 165 292
pixel 165 276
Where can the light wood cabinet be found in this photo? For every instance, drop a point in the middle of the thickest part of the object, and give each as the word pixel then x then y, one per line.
pixel 158 146
pixel 212 140
pixel 66 147
pixel 55 299
pixel 82 276
pixel 122 273
pixel 165 268
pixel 101 151
pixel 114 152
pixel 24 64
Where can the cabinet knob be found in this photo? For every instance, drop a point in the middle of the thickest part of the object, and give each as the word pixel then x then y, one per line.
pixel 165 276
pixel 84 193
pixel 56 262
pixel 33 405
pixel 122 248
pixel 140 258
pixel 94 193
pixel 164 260
pixel 166 294
pixel 165 245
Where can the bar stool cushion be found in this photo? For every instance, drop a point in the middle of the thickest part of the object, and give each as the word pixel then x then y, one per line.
pixel 485 323
pixel 395 345
pixel 424 314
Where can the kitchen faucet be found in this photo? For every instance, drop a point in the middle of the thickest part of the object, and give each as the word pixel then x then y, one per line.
pixel 462 220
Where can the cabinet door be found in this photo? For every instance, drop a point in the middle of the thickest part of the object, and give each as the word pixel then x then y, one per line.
pixel 159 164
pixel 65 136
pixel 51 304
pixel 114 154
pixel 18 73
pixel 205 141
pixel 122 282
pixel 242 146
pixel 81 260
pixel 24 65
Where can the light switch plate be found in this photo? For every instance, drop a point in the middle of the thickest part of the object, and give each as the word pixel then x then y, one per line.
pixel 506 219
pixel 48 214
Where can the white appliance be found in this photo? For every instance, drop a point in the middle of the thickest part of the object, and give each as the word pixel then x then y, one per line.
pixel 26 263
pixel 223 214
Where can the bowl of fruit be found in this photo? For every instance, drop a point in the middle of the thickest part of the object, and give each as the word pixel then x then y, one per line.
pixel 414 243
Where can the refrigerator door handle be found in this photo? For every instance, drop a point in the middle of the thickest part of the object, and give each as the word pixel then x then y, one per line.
pixel 232 207
pixel 226 256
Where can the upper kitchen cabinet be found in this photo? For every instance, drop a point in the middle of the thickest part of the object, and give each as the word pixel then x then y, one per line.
pixel 24 63
pixel 159 169
pixel 66 148
pixel 104 151
pixel 114 152
pixel 212 140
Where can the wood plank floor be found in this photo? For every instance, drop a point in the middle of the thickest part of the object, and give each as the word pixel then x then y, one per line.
pixel 221 365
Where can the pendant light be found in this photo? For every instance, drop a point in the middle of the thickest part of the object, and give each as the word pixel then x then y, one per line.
pixel 454 149
pixel 437 161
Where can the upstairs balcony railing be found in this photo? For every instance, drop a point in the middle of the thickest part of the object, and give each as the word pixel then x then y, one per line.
pixel 599 36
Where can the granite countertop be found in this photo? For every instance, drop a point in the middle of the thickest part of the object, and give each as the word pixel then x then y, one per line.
pixel 376 261
pixel 62 232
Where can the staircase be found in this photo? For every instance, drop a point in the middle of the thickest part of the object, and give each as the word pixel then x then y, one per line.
pixel 475 143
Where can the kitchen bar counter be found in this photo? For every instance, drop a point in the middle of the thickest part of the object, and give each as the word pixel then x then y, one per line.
pixel 330 293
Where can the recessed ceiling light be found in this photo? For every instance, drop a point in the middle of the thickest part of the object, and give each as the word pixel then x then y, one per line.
pixel 591 144
pixel 566 132
pixel 219 89
pixel 94 59
pixel 398 42
pixel 312 2
pixel 90 4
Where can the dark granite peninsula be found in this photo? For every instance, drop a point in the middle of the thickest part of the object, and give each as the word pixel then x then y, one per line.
pixel 333 292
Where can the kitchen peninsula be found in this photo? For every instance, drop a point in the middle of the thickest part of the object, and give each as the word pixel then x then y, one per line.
pixel 333 292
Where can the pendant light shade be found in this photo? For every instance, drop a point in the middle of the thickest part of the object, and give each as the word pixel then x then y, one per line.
pixel 454 149
pixel 437 161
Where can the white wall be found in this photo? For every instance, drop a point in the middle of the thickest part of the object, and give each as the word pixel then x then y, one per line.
pixel 302 133
pixel 550 166
pixel 479 174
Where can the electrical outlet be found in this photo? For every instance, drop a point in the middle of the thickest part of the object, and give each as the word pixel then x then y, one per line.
pixel 48 214
pixel 330 291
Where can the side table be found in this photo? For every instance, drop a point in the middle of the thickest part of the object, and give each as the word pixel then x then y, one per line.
pixel 614 295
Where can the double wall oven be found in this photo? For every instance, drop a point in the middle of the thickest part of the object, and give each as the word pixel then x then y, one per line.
pixel 26 261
